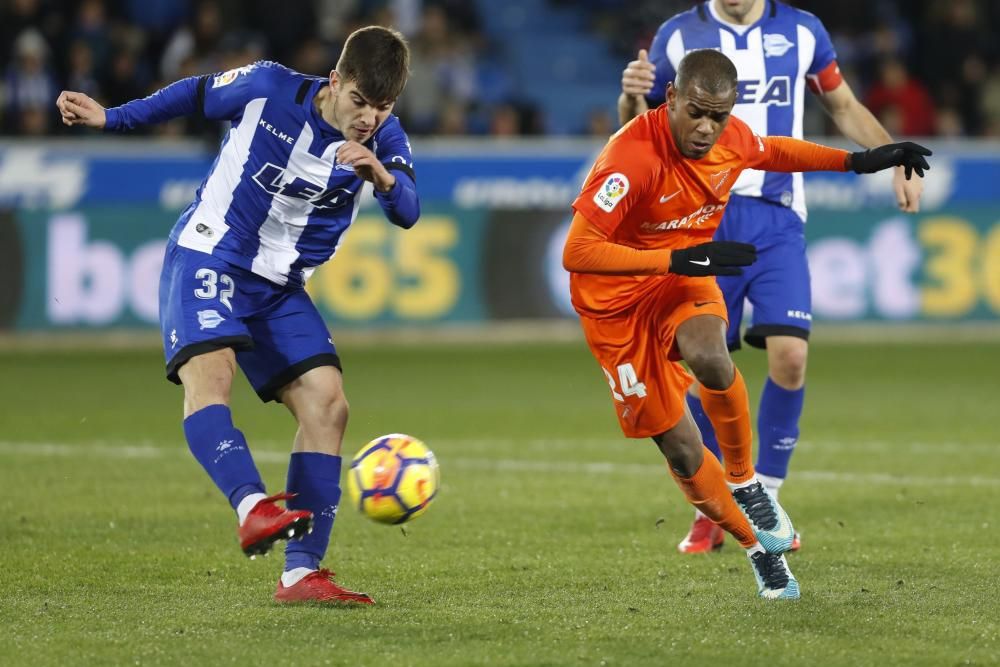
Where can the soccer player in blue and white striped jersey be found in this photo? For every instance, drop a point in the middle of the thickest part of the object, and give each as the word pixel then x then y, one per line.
pixel 779 51
pixel 276 203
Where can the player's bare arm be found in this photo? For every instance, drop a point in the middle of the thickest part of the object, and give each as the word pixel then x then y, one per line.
pixel 366 165
pixel 637 82
pixel 79 109
pixel 859 125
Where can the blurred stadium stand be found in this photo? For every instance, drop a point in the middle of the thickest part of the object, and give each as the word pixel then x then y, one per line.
pixel 519 67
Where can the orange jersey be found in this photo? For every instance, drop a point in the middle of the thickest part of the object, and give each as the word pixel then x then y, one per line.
pixel 645 195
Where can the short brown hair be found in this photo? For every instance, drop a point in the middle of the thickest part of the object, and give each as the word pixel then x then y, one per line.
pixel 377 60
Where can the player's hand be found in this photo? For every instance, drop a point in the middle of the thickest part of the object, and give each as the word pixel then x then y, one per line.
pixel 717 258
pixel 639 76
pixel 908 191
pixel 908 155
pixel 366 165
pixel 80 109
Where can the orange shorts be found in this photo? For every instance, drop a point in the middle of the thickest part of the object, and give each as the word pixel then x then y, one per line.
pixel 637 350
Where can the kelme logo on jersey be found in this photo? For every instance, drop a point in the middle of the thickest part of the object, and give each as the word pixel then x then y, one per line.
pixel 609 194
pixel 777 91
pixel 271 178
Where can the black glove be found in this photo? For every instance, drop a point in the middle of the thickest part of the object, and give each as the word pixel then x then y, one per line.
pixel 718 258
pixel 906 154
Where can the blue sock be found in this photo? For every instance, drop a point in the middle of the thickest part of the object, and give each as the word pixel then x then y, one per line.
pixel 223 452
pixel 315 477
pixel 704 425
pixel 778 428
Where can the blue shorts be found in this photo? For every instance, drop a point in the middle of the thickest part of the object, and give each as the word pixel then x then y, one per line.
pixel 777 284
pixel 207 304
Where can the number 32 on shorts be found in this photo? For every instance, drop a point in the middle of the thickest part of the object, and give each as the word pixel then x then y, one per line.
pixel 210 281
pixel 629 383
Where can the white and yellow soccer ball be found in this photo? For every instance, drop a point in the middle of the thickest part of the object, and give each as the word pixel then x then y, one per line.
pixel 393 478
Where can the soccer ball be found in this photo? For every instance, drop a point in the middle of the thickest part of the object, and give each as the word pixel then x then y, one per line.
pixel 393 478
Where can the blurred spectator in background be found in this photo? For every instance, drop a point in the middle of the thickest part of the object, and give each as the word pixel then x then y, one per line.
pixel 600 123
pixel 92 28
pixel 81 72
pixel 286 26
pixel 515 118
pixel 956 42
pixel 29 86
pixel 949 123
pixel 907 98
pixel 196 41
pixel 453 121
pixel 126 79
pixel 313 56
pixel 505 121
pixel 17 16
pixel 442 71
pixel 914 56
pixel 991 101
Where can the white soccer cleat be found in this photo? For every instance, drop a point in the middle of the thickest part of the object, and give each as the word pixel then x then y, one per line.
pixel 774 580
pixel 769 521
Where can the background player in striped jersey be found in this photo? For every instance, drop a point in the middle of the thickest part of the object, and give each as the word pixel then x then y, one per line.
pixel 778 52
pixel 282 192
pixel 641 260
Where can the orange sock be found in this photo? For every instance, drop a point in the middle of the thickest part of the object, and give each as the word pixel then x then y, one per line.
pixel 729 412
pixel 707 491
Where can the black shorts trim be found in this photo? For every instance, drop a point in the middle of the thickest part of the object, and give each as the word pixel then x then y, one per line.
pixel 269 392
pixel 756 336
pixel 187 352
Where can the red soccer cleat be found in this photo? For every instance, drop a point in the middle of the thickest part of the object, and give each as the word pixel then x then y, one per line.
pixel 267 523
pixel 703 537
pixel 319 586
pixel 796 543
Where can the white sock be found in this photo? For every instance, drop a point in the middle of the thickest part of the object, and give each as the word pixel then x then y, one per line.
pixel 293 577
pixel 772 484
pixel 742 485
pixel 247 504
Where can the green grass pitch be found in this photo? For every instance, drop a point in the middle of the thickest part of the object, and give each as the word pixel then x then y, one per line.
pixel 552 541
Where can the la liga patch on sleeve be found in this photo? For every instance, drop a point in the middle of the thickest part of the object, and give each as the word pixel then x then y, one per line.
pixel 611 192
pixel 227 78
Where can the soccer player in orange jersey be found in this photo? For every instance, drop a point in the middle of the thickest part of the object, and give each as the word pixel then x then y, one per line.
pixel 641 258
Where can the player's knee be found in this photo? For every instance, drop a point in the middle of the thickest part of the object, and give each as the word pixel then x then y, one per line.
pixel 683 457
pixel 329 411
pixel 712 367
pixel 787 366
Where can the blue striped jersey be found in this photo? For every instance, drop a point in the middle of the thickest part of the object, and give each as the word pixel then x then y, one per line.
pixel 775 58
pixel 275 201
